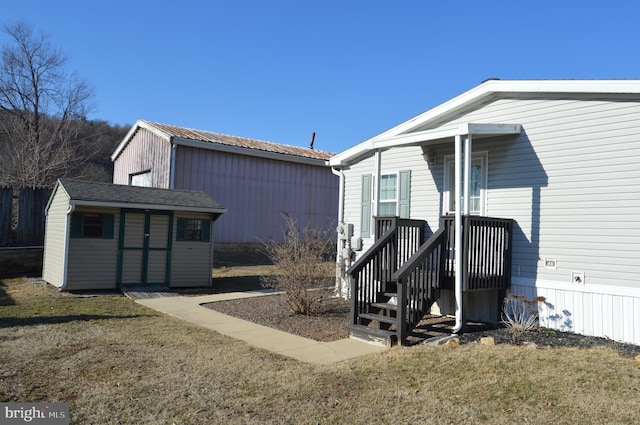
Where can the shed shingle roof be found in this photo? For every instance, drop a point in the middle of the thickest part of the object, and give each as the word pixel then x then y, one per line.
pixel 154 198
pixel 242 142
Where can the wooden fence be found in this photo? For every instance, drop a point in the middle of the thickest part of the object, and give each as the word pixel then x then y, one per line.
pixel 22 216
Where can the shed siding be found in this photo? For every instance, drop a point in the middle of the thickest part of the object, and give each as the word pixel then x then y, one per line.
pixel 256 190
pixel 92 262
pixel 145 151
pixel 55 239
pixel 190 261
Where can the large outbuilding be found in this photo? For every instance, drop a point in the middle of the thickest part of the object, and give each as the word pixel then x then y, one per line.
pixel 107 236
pixel 256 180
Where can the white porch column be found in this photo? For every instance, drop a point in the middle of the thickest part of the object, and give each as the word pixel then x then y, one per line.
pixel 467 175
pixel 458 233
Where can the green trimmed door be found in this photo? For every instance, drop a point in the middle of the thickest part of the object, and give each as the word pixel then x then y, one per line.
pixel 144 247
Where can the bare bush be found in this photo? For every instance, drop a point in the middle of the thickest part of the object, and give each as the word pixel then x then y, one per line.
pixel 520 315
pixel 300 263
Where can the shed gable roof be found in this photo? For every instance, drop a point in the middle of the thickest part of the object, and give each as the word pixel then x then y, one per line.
pixel 115 195
pixel 211 140
pixel 427 124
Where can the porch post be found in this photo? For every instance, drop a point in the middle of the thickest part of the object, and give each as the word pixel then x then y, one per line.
pixel 467 174
pixel 458 233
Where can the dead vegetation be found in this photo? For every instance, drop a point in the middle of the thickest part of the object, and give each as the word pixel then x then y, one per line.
pixel 115 361
pixel 300 263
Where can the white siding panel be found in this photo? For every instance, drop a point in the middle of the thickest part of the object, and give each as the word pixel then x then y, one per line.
pixel 55 239
pixel 603 311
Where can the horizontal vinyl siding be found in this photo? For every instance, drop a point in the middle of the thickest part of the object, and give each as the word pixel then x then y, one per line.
pixel 424 193
pixel 256 190
pixel 55 239
pixel 145 151
pixel 352 196
pixel 93 261
pixel 190 261
pixel 572 184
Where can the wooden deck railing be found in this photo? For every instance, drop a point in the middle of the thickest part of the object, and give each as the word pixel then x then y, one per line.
pixel 418 282
pixel 487 244
pixel 397 240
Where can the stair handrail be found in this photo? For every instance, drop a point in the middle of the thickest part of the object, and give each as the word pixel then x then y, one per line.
pixel 371 252
pixel 400 276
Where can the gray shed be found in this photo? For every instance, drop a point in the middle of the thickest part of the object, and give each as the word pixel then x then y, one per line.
pixel 105 236
pixel 254 179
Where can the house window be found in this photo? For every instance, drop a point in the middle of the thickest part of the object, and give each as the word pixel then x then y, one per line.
pixel 477 185
pixel 92 225
pixel 394 198
pixel 192 229
pixel 388 195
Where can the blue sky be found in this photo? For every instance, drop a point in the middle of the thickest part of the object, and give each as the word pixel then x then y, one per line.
pixel 347 70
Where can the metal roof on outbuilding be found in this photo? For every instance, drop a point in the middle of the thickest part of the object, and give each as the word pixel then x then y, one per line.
pixel 209 139
pixel 115 195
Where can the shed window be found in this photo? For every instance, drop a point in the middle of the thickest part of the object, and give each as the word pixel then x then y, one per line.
pixel 92 225
pixel 193 229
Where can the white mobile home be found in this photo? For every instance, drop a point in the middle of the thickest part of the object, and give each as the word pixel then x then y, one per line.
pixel 105 236
pixel 554 164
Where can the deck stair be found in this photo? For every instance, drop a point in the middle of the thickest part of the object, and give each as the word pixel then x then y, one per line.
pixel 395 283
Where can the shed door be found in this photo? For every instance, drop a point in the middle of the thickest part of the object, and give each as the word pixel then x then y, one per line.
pixel 145 248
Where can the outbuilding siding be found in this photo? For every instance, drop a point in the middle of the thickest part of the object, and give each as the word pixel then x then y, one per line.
pixel 145 151
pixel 255 191
pixel 190 262
pixel 92 262
pixel 56 239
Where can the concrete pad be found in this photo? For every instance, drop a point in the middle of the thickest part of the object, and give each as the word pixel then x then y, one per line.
pixel 294 346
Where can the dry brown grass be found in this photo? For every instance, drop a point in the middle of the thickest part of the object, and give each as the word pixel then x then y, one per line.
pixel 117 362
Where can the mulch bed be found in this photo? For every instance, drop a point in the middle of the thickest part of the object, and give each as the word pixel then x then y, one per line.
pixel 332 322
pixel 272 311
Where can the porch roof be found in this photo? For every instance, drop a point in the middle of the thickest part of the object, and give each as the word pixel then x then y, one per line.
pixel 426 137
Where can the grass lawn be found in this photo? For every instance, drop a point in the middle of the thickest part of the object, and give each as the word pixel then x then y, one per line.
pixel 117 362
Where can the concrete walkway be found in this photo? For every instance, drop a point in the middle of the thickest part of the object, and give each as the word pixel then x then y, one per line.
pixel 297 347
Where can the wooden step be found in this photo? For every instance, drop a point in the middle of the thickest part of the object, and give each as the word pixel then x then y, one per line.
pixel 385 306
pixel 373 336
pixel 378 318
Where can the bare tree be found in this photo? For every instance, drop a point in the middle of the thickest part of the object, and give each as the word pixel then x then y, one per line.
pixel 41 104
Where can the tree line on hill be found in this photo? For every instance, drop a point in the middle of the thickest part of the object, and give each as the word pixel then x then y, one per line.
pixel 44 131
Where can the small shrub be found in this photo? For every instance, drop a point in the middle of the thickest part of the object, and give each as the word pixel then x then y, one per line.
pixel 300 264
pixel 520 315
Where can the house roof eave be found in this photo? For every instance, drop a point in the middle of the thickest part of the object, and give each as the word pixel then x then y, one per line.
pixel 482 93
